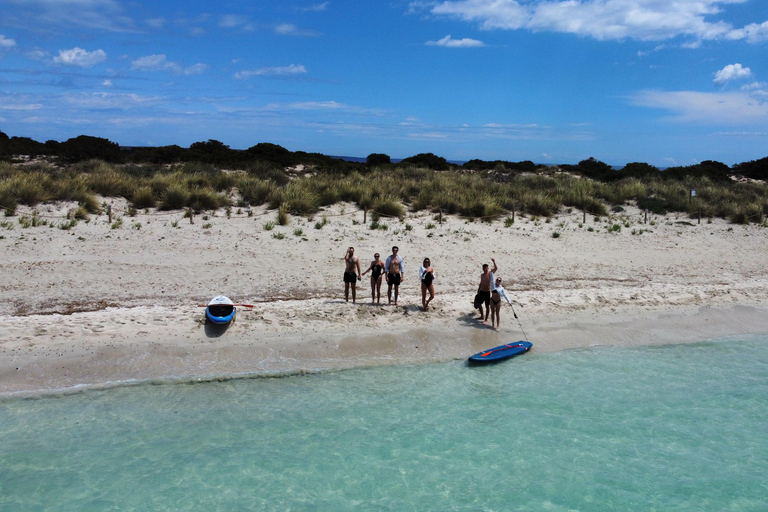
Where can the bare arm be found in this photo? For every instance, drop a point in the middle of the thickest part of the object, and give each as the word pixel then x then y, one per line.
pixel 358 268
pixel 495 268
pixel 370 267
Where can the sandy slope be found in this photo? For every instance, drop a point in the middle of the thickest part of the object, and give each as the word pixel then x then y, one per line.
pixel 96 305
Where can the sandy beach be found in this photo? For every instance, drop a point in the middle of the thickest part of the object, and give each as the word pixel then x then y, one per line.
pixel 95 306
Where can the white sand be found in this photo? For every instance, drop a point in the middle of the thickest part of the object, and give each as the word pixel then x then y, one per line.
pixel 96 306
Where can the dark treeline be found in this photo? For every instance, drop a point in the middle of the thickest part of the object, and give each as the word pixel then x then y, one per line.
pixel 213 152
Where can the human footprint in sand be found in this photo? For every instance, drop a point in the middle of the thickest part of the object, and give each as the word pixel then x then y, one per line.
pixel 376 268
pixel 395 273
pixel 497 293
pixel 351 277
pixel 427 275
pixel 484 291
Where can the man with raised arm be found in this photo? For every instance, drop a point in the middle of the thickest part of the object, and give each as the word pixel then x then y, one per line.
pixel 485 289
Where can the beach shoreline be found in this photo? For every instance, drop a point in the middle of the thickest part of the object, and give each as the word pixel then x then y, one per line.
pixel 105 359
pixel 95 307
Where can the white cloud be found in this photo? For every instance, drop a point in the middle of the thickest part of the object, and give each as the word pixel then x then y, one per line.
pixel 316 105
pixel 754 33
pixel 196 69
pixel 317 8
pixel 22 107
pixel 79 57
pixel 155 63
pixel 290 70
pixel 6 42
pixel 155 22
pixel 652 20
pixel 732 72
pixel 754 86
pixel 105 15
pixel 706 107
pixel 448 42
pixel 107 83
pixel 287 29
pixel 161 63
pixel 235 21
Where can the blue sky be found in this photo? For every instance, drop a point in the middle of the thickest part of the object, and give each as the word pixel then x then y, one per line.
pixel 557 81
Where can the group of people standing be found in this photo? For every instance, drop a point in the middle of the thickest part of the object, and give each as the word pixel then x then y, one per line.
pixel 489 293
pixel 393 271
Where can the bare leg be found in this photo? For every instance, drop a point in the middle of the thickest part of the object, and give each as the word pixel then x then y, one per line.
pixel 431 296
pixel 354 291
pixel 373 290
pixel 378 291
pixel 397 290
pixel 346 292
pixel 389 293
pixel 423 296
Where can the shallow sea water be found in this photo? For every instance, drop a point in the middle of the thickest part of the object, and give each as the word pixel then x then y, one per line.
pixel 669 428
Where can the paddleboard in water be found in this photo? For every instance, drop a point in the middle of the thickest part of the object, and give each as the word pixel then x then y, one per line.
pixel 501 352
pixel 220 310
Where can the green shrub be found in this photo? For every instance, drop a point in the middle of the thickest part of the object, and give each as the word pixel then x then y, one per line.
pixel 144 197
pixel 389 206
pixel 254 192
pixel 175 197
pixel 108 182
pixel 201 199
pixel 282 215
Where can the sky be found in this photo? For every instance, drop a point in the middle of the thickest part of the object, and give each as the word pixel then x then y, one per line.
pixel 555 81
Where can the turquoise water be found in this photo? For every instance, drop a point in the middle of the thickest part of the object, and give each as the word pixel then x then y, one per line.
pixel 655 428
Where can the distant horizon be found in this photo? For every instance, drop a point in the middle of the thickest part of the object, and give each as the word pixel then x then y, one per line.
pixel 665 83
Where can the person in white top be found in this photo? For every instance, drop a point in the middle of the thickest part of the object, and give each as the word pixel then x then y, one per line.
pixel 497 293
pixel 427 275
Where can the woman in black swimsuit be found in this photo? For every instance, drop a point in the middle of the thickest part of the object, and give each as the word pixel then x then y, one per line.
pixel 376 268
pixel 427 274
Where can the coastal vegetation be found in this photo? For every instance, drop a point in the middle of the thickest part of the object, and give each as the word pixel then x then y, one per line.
pixel 209 176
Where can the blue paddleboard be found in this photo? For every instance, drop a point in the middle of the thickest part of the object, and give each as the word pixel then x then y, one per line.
pixel 501 352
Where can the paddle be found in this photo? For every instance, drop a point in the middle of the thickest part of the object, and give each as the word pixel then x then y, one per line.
pixel 243 305
pixel 505 347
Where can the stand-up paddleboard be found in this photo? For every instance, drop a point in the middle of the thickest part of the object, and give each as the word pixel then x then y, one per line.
pixel 221 310
pixel 501 352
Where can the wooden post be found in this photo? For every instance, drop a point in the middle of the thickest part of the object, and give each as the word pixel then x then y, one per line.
pixel 441 217
pixel 109 213
pixel 513 214
pixel 191 220
pixel 646 217
pixel 584 221
pixel 365 215
pixel 699 215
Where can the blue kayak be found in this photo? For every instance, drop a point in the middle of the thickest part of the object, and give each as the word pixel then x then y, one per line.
pixel 220 310
pixel 501 352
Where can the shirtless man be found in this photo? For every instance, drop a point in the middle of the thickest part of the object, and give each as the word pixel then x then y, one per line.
pixel 485 289
pixel 395 273
pixel 350 277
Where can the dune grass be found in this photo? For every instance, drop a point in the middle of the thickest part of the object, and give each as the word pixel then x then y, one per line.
pixel 387 192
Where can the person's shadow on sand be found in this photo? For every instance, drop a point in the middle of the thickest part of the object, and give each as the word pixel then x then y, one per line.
pixel 472 320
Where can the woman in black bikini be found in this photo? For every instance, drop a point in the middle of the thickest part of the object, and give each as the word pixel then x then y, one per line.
pixel 427 275
pixel 376 268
